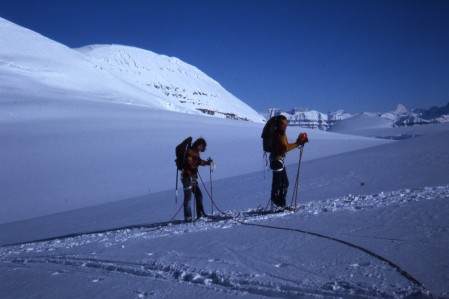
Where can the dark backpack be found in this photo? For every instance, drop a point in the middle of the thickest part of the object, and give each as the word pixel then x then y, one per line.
pixel 181 150
pixel 268 133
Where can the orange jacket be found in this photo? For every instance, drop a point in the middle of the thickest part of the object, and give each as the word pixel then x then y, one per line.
pixel 281 146
pixel 191 162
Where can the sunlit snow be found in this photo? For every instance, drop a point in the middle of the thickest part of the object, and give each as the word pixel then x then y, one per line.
pixel 88 196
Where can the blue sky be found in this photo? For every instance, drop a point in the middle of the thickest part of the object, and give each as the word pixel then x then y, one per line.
pixel 361 55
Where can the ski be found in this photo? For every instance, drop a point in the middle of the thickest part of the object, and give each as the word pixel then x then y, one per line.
pixel 216 218
pixel 263 212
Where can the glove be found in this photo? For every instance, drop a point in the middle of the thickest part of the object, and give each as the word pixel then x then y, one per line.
pixel 302 138
pixel 209 161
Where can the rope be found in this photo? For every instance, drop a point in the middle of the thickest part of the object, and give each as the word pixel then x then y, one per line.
pixel 176 213
pixel 392 264
pixel 151 226
pixel 211 199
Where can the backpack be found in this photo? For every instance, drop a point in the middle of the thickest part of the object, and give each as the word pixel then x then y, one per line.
pixel 268 133
pixel 180 151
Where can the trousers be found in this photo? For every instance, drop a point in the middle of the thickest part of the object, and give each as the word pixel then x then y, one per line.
pixel 190 186
pixel 279 184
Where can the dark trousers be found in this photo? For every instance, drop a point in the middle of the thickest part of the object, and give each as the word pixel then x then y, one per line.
pixel 190 187
pixel 279 185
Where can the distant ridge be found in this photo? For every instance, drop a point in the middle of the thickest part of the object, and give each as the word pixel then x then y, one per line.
pixel 400 116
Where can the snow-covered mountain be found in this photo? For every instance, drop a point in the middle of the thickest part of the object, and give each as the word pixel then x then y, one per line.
pixel 113 73
pixel 400 116
pixel 309 118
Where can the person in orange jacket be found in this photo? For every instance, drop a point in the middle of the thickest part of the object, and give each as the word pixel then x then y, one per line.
pixel 280 183
pixel 189 178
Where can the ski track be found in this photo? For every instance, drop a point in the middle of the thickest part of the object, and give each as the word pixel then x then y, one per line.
pixel 234 282
pixel 30 255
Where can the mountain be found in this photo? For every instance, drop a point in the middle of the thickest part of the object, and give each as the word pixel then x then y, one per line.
pixel 309 118
pixel 113 73
pixel 400 116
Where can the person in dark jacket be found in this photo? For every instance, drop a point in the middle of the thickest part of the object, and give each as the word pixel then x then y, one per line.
pixel 190 176
pixel 280 183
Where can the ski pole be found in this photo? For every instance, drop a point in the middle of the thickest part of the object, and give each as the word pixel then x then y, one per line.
pixel 268 203
pixel 176 192
pixel 297 175
pixel 295 189
pixel 194 198
pixel 210 177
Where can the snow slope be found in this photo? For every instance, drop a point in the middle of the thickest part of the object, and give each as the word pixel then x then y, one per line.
pixel 182 87
pixel 384 199
pixel 111 73
pixel 30 62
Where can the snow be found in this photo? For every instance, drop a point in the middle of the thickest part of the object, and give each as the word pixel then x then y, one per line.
pixel 181 87
pixel 89 211
pixel 85 167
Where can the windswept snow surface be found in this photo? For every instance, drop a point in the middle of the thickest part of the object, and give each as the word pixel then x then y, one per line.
pixel 226 258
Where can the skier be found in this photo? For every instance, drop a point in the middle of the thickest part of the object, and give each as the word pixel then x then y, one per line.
pixel 189 178
pixel 279 185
